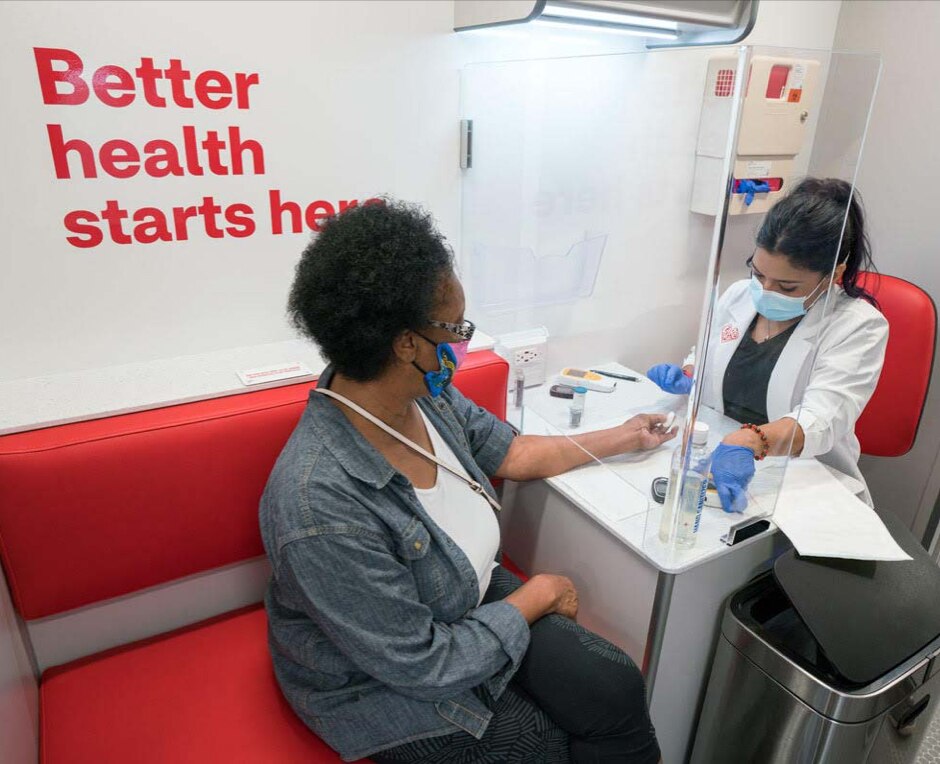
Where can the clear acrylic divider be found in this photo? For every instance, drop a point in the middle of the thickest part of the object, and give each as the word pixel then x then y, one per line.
pixel 833 99
pixel 583 171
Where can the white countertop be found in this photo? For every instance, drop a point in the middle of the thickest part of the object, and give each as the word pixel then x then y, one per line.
pixel 616 491
pixel 30 404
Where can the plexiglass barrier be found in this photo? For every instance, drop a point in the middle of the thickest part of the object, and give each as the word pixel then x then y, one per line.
pixel 615 202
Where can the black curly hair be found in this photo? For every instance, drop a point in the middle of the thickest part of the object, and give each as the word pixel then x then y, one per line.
pixel 807 227
pixel 372 272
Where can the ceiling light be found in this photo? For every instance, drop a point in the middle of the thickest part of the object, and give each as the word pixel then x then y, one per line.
pixel 560 11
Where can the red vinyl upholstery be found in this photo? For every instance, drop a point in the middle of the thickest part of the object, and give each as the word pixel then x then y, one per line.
pixel 204 694
pixel 511 566
pixel 98 509
pixel 93 510
pixel 888 425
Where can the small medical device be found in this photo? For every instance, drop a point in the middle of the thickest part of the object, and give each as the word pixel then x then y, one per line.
pixel 658 489
pixel 561 391
pixel 587 379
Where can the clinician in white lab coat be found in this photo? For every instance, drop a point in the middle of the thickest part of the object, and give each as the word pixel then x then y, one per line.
pixel 760 367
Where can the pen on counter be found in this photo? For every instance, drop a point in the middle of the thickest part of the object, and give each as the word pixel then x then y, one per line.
pixel 615 376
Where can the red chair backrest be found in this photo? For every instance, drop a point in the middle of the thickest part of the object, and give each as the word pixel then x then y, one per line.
pixel 888 425
pixel 97 509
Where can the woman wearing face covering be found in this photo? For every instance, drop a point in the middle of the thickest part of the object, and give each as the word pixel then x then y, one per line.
pixel 394 632
pixel 760 366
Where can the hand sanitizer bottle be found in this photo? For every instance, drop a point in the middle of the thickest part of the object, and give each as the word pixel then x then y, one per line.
pixel 692 500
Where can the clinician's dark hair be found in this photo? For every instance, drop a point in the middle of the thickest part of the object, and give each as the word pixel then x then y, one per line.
pixel 806 225
pixel 371 273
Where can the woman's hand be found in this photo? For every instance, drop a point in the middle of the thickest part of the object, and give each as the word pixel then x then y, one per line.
pixel 732 469
pixel 645 431
pixel 670 379
pixel 566 600
pixel 544 594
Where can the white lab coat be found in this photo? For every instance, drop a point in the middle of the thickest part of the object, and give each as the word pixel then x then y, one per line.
pixel 851 339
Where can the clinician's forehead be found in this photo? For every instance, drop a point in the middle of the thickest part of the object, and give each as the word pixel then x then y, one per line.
pixel 779 268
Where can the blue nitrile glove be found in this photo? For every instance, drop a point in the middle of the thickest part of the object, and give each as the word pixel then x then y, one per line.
pixel 732 470
pixel 751 187
pixel 670 378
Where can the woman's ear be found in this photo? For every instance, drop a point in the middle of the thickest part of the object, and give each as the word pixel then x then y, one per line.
pixel 405 346
pixel 840 271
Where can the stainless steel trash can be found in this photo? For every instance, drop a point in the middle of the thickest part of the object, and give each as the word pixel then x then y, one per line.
pixel 824 660
pixel 773 695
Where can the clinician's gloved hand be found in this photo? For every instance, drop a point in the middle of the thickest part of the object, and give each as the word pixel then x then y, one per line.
pixel 670 378
pixel 732 470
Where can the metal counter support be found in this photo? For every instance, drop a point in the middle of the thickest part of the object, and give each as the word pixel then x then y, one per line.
pixel 657 630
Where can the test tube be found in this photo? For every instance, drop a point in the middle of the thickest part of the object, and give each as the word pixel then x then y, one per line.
pixel 577 407
pixel 519 387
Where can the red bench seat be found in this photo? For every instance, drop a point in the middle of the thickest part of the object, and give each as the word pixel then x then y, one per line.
pixel 205 693
pixel 98 510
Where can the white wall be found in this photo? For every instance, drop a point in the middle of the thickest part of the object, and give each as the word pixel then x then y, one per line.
pixel 610 141
pixel 354 99
pixel 897 180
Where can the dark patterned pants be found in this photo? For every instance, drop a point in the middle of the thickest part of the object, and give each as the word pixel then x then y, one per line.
pixel 576 697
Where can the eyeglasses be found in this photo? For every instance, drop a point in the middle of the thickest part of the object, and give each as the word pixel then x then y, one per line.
pixel 464 331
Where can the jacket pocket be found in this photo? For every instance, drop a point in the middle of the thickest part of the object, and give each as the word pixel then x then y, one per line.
pixel 414 546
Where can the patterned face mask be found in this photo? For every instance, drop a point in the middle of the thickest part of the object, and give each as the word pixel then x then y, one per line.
pixel 447 360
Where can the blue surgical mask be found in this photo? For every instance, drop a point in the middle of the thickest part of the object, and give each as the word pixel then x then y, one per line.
pixel 778 307
pixel 436 381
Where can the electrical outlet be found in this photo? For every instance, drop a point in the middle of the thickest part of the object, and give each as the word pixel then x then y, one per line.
pixel 526 351
pixel 527 356
pixel 530 359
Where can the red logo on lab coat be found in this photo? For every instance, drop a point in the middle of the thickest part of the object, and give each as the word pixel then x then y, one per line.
pixel 729 333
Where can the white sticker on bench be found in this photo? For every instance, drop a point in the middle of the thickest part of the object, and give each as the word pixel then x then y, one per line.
pixel 274 373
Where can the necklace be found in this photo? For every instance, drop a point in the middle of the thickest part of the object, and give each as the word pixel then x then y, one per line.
pixel 767 331
pixel 770 331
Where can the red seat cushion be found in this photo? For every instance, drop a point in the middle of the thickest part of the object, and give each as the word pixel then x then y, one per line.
pixel 205 693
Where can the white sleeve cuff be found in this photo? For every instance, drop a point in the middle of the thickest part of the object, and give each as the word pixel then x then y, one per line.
pixel 815 432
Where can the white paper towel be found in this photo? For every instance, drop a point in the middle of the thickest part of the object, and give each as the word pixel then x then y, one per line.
pixel 824 519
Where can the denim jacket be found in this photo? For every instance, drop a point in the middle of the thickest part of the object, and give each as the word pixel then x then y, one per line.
pixel 374 628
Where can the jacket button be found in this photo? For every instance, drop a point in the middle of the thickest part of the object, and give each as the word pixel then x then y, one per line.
pixel 417 545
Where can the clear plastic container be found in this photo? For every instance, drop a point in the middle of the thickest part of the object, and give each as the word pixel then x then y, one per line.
pixel 576 409
pixel 519 388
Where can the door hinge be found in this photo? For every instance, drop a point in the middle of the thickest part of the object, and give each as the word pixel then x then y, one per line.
pixel 466 144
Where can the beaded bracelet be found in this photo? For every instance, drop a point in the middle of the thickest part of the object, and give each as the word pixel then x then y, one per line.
pixel 765 444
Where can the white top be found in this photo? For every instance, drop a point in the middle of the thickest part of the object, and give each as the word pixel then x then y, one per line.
pixel 463 515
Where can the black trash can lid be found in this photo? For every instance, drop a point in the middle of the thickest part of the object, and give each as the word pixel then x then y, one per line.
pixel 867 616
